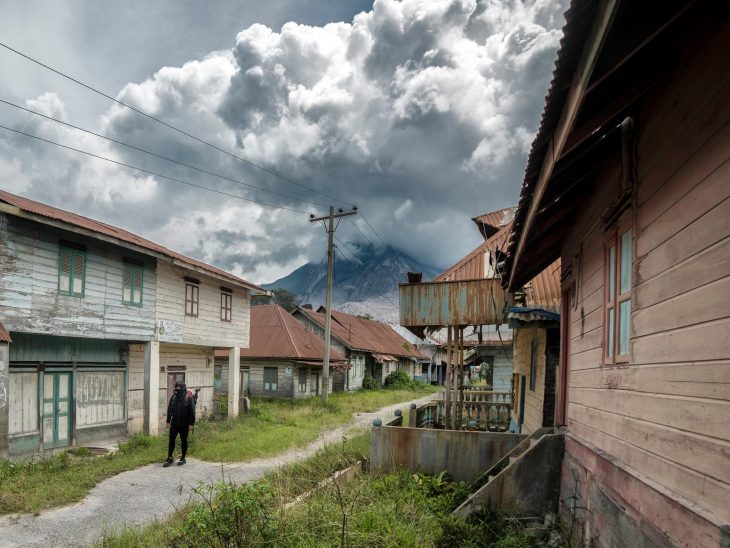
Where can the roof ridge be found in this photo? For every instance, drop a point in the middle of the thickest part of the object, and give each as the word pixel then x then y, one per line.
pixel 293 344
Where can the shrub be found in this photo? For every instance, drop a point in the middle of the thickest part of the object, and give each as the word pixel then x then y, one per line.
pixel 370 383
pixel 399 380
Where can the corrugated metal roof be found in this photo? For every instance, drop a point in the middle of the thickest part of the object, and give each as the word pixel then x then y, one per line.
pixel 578 20
pixel 472 266
pixel 494 220
pixel 384 358
pixel 527 314
pixel 543 291
pixel 38 208
pixel 277 334
pixel 4 335
pixel 367 335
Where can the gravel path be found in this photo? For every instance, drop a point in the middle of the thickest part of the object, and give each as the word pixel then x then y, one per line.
pixel 151 492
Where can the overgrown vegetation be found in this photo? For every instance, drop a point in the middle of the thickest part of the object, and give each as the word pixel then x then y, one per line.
pixel 400 509
pixel 399 380
pixel 370 383
pixel 272 427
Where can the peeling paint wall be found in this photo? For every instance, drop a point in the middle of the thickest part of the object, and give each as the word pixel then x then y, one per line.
pixel 4 396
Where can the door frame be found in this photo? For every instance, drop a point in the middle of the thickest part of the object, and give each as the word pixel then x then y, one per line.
pixel 561 404
pixel 55 401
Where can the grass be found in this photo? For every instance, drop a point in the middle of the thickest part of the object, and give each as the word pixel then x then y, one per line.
pixel 399 509
pixel 273 426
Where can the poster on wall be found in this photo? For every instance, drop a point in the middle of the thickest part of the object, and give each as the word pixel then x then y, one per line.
pixel 169 331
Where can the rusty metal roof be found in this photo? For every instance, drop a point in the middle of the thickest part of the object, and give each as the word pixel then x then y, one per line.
pixel 50 212
pixel 367 335
pixel 489 223
pixel 4 335
pixel 543 291
pixel 472 266
pixel 277 334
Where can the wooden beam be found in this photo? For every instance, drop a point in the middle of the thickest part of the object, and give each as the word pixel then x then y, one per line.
pixel 581 79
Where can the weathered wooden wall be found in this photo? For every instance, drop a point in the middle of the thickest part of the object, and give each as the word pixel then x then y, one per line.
pixel 23 403
pixel 198 364
pixel 207 328
pixel 29 297
pixel 100 398
pixel 664 416
pixel 522 342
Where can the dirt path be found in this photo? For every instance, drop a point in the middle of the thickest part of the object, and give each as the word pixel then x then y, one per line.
pixel 152 492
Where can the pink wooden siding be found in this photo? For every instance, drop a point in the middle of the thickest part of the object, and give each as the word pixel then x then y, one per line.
pixel 665 415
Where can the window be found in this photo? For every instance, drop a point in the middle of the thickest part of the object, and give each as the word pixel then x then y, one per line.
pixel 226 305
pixel 132 284
pixel 302 381
pixel 617 326
pixel 71 271
pixel 192 292
pixel 533 364
pixel 271 379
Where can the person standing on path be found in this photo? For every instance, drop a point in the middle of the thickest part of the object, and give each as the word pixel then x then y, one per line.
pixel 180 420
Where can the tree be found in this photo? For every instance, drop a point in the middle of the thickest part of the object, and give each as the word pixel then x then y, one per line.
pixel 285 299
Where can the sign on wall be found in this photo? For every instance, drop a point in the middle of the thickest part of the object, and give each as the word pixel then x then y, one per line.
pixel 169 331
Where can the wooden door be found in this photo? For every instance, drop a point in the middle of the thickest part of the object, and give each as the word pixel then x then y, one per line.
pixel 245 379
pixel 56 414
pixel 172 378
pixel 315 382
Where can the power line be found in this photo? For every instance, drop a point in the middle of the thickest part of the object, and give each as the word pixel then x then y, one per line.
pixel 361 232
pixel 151 172
pixel 170 126
pixel 347 248
pixel 371 228
pixel 133 147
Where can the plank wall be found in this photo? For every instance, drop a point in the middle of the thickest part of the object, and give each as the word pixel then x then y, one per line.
pixel 29 297
pixel 522 344
pixel 665 414
pixel 206 329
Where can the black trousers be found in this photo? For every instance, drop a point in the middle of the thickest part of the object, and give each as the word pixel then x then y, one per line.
pixel 174 431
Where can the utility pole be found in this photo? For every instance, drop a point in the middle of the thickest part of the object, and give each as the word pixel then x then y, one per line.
pixel 331 227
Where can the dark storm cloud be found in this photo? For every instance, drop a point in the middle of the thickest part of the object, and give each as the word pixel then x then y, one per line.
pixel 419 112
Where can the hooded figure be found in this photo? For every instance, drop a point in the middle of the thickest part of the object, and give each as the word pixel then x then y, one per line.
pixel 180 420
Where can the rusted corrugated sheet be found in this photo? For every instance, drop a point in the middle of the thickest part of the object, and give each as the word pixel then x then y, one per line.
pixel 4 335
pixel 277 334
pixel 473 265
pixel 490 223
pixel 368 335
pixel 37 208
pixel 543 291
pixel 462 302
pixel 384 358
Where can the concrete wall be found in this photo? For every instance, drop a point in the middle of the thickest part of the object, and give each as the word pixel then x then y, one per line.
pixel 463 454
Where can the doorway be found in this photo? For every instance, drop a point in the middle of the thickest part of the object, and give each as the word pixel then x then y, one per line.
pixel 172 378
pixel 56 409
pixel 245 379
pixel 315 382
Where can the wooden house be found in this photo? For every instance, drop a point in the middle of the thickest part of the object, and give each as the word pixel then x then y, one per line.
pixel 283 360
pixel 103 322
pixel 627 184
pixel 370 347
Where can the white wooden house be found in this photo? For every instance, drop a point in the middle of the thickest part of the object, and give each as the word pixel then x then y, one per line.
pixel 102 323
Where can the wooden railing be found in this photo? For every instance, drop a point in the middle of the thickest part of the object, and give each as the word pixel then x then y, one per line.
pixel 484 415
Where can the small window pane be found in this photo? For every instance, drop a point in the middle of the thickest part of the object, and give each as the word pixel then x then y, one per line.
pixel 126 295
pixel 624 327
pixel 78 286
pixel 612 273
pixel 48 387
pixel 626 262
pixel 64 283
pixel 610 341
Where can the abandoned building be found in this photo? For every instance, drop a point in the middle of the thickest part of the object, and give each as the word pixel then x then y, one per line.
pixel 99 324
pixel 283 359
pixel 370 347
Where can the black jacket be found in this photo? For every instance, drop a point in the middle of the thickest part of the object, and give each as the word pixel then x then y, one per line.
pixel 181 410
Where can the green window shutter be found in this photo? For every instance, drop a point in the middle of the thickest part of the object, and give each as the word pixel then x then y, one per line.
pixel 132 284
pixel 65 258
pixel 79 266
pixel 127 283
pixel 137 295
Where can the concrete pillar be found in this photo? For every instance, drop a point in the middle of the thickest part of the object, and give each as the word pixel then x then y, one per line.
pixel 234 380
pixel 4 395
pixel 152 388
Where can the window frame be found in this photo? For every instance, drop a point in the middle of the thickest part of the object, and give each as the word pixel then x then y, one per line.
pixel 302 388
pixel 194 299
pixel 71 276
pixel 226 295
pixel 138 269
pixel 275 371
pixel 612 303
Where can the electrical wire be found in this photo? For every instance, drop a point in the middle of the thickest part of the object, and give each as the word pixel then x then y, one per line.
pixel 361 232
pixel 347 248
pixel 371 227
pixel 139 149
pixel 99 157
pixel 170 126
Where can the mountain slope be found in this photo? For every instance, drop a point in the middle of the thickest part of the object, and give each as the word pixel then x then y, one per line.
pixel 376 273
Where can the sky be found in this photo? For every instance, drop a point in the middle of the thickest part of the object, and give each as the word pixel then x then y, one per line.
pixel 419 112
